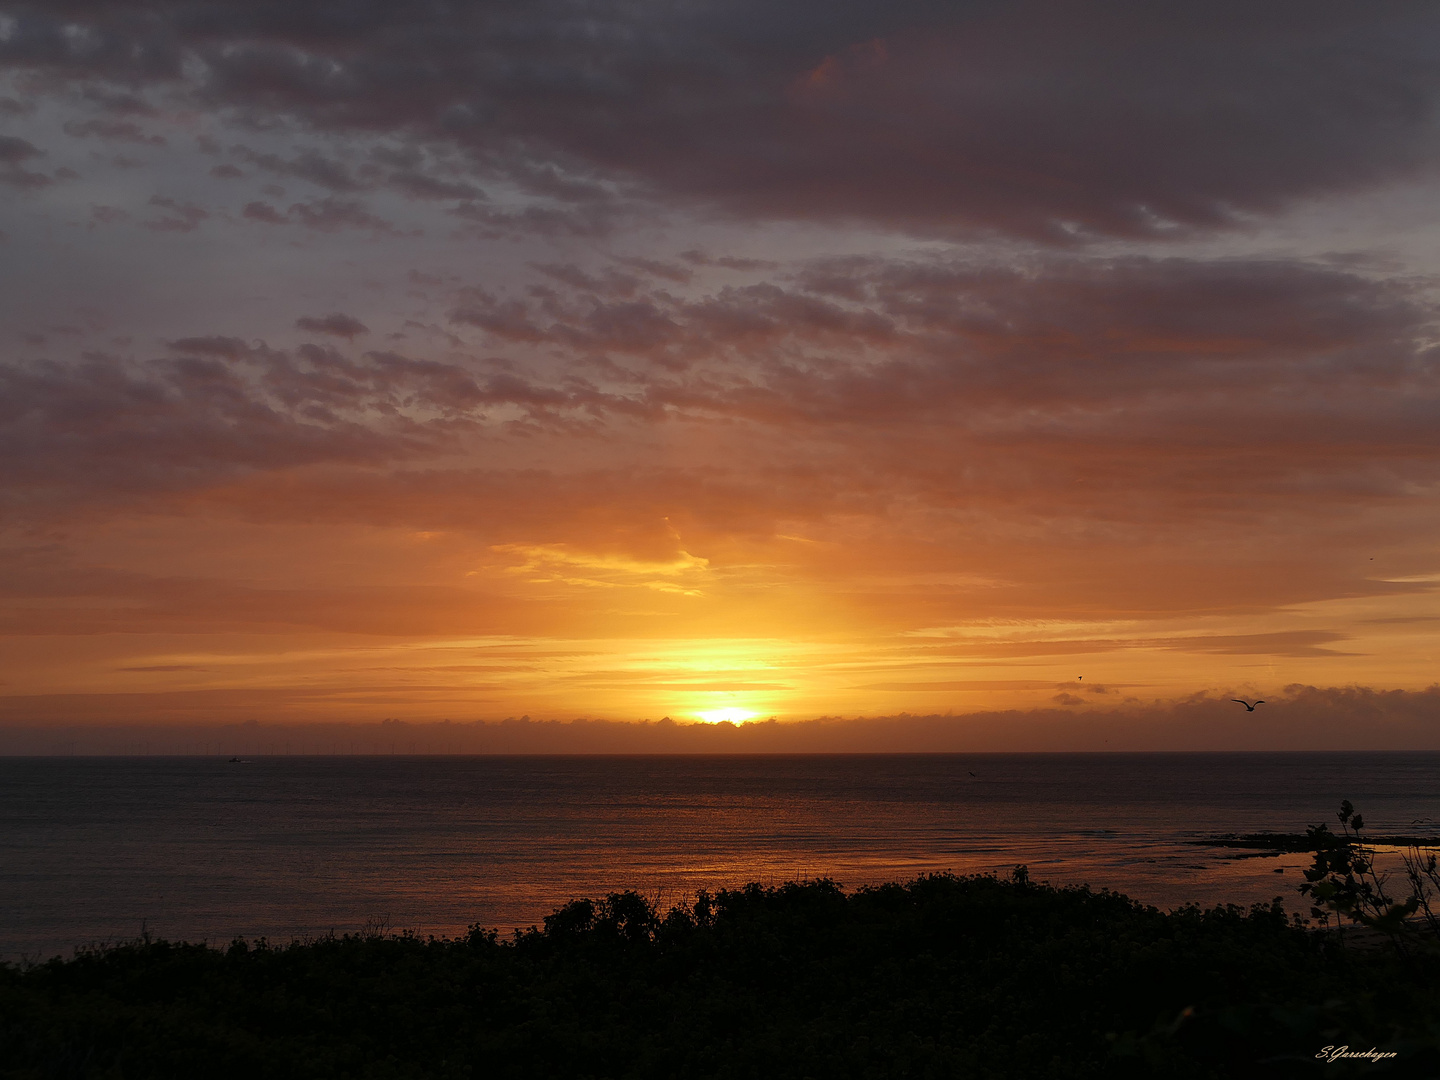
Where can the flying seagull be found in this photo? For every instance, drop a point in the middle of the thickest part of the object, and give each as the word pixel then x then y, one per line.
pixel 1248 706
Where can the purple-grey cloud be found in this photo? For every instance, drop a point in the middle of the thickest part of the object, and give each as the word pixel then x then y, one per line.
pixel 107 215
pixel 14 151
pixel 331 215
pixel 117 130
pixel 259 211
pixel 180 217
pixel 1033 118
pixel 309 165
pixel 1154 383
pixel 335 324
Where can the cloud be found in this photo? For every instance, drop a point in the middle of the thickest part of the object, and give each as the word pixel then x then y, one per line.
pixel 263 212
pixel 1283 643
pixel 310 166
pixel 418 185
pixel 115 130
pixel 1117 353
pixel 105 429
pixel 322 215
pixel 1033 119
pixel 107 215
pixel 118 102
pixel 728 262
pixel 680 275
pixel 665 567
pixel 1309 718
pixel 331 215
pixel 1170 392
pixel 183 217
pixel 14 151
pixel 229 347
pixel 591 221
pixel 335 324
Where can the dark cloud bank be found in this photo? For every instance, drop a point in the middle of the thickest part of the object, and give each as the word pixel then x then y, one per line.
pixel 1034 120
pixel 1303 718
pixel 1040 119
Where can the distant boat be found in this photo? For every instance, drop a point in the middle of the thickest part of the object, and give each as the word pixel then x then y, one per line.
pixel 238 761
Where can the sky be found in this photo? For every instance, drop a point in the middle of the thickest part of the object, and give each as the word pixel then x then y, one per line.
pixel 738 360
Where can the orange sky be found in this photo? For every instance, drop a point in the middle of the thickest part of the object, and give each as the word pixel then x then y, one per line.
pixel 918 361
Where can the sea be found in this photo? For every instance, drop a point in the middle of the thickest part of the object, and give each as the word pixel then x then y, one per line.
pixel 105 850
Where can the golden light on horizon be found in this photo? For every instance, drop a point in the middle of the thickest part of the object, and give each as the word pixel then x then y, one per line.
pixel 730 715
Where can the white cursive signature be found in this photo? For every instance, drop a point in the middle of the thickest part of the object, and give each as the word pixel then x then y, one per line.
pixel 1335 1053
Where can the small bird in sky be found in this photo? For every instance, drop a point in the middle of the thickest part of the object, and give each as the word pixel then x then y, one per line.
pixel 1248 706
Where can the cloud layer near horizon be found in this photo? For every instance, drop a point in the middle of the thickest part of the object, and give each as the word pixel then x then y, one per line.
pixel 793 361
pixel 1301 717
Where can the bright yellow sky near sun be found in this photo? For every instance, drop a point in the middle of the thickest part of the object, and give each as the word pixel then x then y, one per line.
pixel 782 626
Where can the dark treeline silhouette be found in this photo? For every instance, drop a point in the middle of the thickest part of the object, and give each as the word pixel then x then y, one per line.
pixel 944 976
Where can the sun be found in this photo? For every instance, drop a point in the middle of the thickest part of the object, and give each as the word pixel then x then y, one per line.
pixel 720 716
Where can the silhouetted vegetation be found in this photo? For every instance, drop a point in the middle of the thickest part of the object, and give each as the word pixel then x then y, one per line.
pixel 1320 836
pixel 1343 883
pixel 945 976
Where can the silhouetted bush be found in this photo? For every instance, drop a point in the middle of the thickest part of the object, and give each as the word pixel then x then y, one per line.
pixel 944 976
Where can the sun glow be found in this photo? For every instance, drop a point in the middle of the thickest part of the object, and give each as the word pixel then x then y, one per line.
pixel 721 716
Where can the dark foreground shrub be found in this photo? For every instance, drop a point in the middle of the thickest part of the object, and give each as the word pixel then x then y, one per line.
pixel 942 977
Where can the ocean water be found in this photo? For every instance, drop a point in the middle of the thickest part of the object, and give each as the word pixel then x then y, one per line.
pixel 97 849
